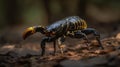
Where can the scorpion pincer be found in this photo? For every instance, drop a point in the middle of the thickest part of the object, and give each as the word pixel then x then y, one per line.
pixel 73 27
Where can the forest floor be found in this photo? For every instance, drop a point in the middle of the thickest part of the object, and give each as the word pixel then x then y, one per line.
pixel 16 52
pixel 77 55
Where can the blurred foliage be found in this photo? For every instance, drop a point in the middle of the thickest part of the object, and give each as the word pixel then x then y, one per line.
pixel 34 12
pixel 104 3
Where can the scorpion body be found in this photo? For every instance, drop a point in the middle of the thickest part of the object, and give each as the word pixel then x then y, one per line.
pixel 72 26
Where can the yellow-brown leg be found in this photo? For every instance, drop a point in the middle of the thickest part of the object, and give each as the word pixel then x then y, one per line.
pixel 61 46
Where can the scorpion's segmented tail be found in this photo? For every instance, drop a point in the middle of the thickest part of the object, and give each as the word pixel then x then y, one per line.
pixel 31 30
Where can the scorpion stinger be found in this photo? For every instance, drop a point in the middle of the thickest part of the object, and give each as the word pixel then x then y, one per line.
pixel 31 30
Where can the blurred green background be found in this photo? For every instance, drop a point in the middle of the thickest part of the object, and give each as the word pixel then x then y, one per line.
pixel 16 15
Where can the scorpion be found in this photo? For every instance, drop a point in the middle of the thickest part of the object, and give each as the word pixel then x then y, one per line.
pixel 73 27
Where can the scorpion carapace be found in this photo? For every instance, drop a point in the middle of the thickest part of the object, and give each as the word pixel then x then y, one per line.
pixel 72 26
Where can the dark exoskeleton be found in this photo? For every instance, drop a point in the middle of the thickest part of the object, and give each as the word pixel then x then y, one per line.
pixel 73 27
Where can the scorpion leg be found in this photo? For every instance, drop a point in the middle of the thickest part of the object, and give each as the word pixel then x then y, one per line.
pixel 95 33
pixel 43 42
pixel 98 39
pixel 60 43
pixel 54 45
pixel 86 38
pixel 78 34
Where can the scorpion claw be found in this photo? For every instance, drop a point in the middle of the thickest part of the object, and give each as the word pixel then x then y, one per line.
pixel 29 31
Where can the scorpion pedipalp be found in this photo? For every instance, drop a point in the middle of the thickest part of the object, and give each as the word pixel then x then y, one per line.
pixel 31 30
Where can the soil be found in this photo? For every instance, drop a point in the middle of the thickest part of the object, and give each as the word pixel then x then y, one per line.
pixel 76 54
pixel 16 52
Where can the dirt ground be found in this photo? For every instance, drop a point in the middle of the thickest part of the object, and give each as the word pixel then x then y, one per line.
pixel 77 55
pixel 16 52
